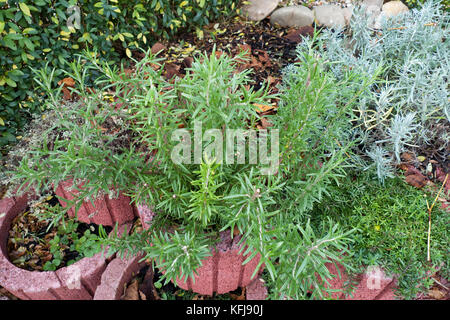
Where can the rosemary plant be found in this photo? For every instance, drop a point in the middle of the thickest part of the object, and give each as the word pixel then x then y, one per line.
pixel 129 140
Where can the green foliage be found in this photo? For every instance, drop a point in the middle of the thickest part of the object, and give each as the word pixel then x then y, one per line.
pixel 34 33
pixel 392 226
pixel 127 142
pixel 66 238
pixel 418 3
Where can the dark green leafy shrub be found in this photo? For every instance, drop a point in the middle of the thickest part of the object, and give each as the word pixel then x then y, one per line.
pixel 37 32
pixel 419 3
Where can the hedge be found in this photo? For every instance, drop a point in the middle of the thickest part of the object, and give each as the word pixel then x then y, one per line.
pixel 36 32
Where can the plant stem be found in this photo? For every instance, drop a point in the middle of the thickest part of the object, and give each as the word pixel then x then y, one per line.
pixel 429 217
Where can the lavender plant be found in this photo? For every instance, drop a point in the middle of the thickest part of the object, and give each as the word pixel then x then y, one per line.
pixel 401 109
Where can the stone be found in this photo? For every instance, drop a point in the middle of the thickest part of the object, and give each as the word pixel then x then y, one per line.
pixel 373 10
pixel 394 8
pixel 347 14
pixel 259 9
pixel 292 16
pixel 329 16
pixel 378 21
pixel 377 3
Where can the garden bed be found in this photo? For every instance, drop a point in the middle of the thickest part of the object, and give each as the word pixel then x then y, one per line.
pixel 363 172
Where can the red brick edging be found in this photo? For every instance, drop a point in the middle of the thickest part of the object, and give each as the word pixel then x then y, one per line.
pixel 118 273
pixel 78 281
pixel 105 211
pixel 223 271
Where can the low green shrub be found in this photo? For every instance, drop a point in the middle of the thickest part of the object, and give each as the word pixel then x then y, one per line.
pixel 129 144
pixel 36 32
pixel 392 229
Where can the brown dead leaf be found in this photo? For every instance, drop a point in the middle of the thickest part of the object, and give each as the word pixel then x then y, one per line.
pixel 436 294
pixel 263 107
pixel 416 180
pixel 47 258
pixel 236 231
pixel 131 292
pixel 172 70
pixel 247 48
pixel 219 53
pixel 271 80
pixel 187 62
pixel 68 82
pixel 408 157
pixel 157 47
pixel 142 295
pixel 66 94
pixel 295 35
pixel 265 123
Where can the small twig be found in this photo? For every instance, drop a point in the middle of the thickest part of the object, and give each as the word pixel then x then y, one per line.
pixel 429 217
pixel 430 24
pixel 440 284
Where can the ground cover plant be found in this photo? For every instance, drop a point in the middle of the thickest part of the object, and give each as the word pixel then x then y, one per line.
pixel 392 224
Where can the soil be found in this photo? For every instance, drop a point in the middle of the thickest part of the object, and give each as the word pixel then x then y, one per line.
pixel 269 48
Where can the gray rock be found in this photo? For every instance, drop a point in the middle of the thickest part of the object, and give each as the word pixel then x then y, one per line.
pixel 394 8
pixel 292 16
pixel 329 15
pixel 377 3
pixel 347 14
pixel 378 21
pixel 373 14
pixel 259 9
pixel 373 11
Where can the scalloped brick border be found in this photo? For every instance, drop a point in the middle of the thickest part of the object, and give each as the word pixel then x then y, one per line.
pixel 109 211
pixel 223 271
pixel 117 274
pixel 75 282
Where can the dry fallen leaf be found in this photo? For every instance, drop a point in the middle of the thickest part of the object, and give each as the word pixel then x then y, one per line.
pixel 238 297
pixel 68 82
pixel 131 292
pixel 436 294
pixel 265 123
pixel 263 107
pixel 407 157
pixel 142 295
pixel 236 231
pixel 157 47
pixel 416 180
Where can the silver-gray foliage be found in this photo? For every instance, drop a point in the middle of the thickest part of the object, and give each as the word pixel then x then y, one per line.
pixel 411 96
